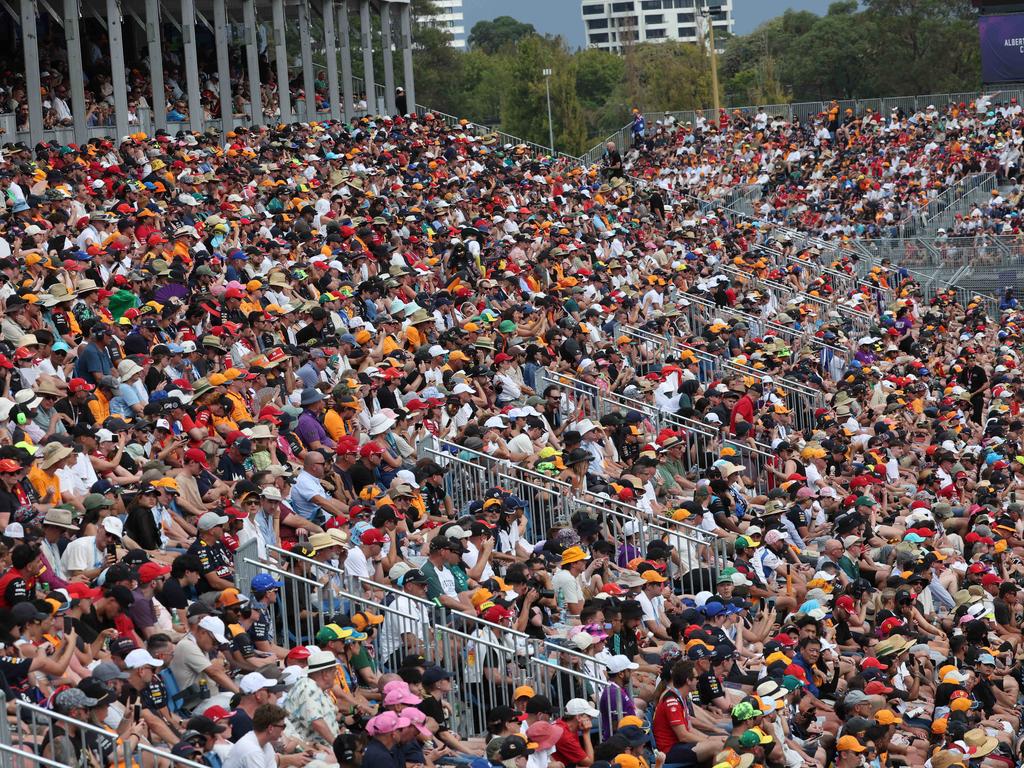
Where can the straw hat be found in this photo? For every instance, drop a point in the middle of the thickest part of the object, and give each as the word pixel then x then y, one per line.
pixel 54 453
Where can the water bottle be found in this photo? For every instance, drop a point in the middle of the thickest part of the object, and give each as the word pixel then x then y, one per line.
pixel 560 601
pixel 204 688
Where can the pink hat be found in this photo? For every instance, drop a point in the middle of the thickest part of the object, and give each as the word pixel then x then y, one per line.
pixel 396 685
pixel 418 719
pixel 401 697
pixel 773 536
pixel 386 722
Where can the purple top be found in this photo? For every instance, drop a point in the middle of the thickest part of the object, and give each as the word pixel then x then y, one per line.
pixel 310 430
pixel 614 705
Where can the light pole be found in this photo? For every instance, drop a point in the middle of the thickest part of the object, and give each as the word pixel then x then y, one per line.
pixel 551 127
pixel 705 12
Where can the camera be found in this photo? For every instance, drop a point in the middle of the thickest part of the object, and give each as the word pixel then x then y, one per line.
pixel 537 584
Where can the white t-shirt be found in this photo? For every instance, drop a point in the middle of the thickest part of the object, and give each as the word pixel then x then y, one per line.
pixel 470 558
pixel 408 617
pixel 357 566
pixel 651 608
pixel 572 592
pixel 81 555
pixel 247 753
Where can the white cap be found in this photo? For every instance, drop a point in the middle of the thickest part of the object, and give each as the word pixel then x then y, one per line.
pixel 14 531
pixel 457 532
pixel 140 657
pixel 113 526
pixel 214 626
pixel 575 707
pixel 163 424
pixel 495 422
pixel 619 663
pixel 437 351
pixel 104 435
pixel 254 681
pixel 585 426
pixel 462 389
pixel 292 674
pixel 632 528
pixel 408 477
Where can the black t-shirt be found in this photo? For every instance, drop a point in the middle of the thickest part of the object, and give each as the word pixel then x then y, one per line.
pixel 173 595
pixel 433 499
pixel 8 504
pixel 943 692
pixel 90 626
pixel 240 724
pixel 432 707
pixel 1002 612
pixel 229 470
pixel 709 688
pixel 141 526
pixel 241 642
pixel 261 630
pixel 154 695
pixel 362 476
pixel 215 559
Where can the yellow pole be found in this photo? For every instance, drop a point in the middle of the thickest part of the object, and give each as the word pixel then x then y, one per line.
pixel 714 63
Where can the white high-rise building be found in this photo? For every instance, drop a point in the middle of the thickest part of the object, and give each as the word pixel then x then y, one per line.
pixel 616 24
pixel 448 17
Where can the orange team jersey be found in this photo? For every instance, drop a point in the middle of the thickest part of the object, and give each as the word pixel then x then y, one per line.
pixel 335 425
pixel 46 485
pixel 414 338
pixel 239 411
pixel 99 407
pixel 218 420
pixel 390 345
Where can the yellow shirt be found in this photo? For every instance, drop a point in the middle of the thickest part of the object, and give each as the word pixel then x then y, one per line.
pixel 99 406
pixel 334 424
pixel 46 485
pixel 239 411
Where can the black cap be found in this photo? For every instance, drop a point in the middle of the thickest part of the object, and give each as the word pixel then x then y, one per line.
pixel 501 715
pixel 204 725
pixel 433 675
pixel 513 747
pixel 123 595
pixel 412 660
pixel 94 689
pixel 634 735
pixel 414 576
pixel 539 705
pixel 24 612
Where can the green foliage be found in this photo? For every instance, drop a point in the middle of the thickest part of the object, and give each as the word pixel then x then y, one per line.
pixel 875 48
pixel 500 34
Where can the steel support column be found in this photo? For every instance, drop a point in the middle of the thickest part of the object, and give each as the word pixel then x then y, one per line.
pixel 366 38
pixel 331 51
pixel 33 82
pixel 76 78
pixel 284 96
pixel 118 76
pixel 252 60
pixel 389 65
pixel 345 47
pixel 188 36
pixel 156 62
pixel 405 18
pixel 220 36
pixel 306 51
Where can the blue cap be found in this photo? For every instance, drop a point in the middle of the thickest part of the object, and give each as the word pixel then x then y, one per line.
pixel 713 609
pixel 60 346
pixel 102 486
pixel 264 582
pixel 348 338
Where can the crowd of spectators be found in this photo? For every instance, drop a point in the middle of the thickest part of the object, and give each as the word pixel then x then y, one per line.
pixel 290 339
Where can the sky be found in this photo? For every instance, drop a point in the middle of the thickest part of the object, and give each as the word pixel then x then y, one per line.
pixel 563 17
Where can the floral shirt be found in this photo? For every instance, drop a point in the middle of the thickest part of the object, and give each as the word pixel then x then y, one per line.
pixel 306 702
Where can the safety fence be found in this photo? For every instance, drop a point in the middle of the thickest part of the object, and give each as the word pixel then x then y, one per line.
pixel 486 660
pixel 802 399
pixel 46 737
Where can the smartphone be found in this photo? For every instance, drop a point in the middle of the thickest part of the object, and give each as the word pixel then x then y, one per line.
pixel 68 624
pixel 112 550
pixel 137 712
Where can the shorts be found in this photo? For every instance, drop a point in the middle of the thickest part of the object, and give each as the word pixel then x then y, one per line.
pixel 681 754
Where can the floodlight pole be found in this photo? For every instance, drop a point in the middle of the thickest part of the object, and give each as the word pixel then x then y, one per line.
pixel 551 127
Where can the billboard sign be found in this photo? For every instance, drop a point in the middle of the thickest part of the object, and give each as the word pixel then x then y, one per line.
pixel 1002 48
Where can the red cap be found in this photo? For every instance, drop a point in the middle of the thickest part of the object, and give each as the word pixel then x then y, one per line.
pixel 989 579
pixel 79 591
pixel 871 662
pixel 976 568
pixel 235 512
pixel 370 449
pixel 889 625
pixel 785 640
pixel 218 713
pixel 501 357
pixel 613 589
pixel 496 614
pixel 183 384
pixel 150 571
pixel 234 293
pixel 156 239
pixel 796 671
pixel 195 454
pixel 347 444
pixel 845 602
pixel 876 687
pixel 8 466
pixel 80 385
pixel 373 536
pixel 298 652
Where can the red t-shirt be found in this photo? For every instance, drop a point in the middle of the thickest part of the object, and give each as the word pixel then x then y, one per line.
pixel 745 408
pixel 568 750
pixel 671 710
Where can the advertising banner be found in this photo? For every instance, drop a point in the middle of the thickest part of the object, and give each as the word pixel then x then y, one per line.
pixel 1002 48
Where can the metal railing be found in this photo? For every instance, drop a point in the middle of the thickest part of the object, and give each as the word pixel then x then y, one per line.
pixel 35 732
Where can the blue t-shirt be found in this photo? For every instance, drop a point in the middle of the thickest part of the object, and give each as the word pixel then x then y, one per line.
pixel 92 360
pixel 122 402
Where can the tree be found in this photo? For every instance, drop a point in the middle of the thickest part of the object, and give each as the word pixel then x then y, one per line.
pixel 500 34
